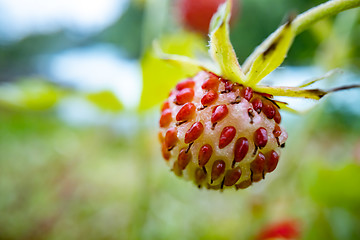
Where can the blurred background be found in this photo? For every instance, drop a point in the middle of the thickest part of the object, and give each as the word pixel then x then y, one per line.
pixel 80 90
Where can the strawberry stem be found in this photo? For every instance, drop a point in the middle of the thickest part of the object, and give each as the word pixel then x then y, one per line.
pixel 343 88
pixel 303 21
pixel 306 19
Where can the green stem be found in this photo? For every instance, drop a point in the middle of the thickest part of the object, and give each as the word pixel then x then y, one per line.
pixel 330 8
pixel 302 22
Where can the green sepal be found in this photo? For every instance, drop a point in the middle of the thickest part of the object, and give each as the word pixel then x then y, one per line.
pixel 315 94
pixel 272 56
pixel 184 62
pixel 221 49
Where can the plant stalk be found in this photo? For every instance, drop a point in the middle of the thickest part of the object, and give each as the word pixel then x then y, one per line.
pixel 302 22
pixel 330 8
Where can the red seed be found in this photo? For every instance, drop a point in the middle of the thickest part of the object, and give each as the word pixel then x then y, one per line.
pixel 228 85
pixel 244 184
pixel 277 131
pixel 272 160
pixel 194 132
pixel 184 158
pixel 257 166
pixel 186 112
pixel 241 149
pixel 165 153
pixel 171 138
pixel 218 168
pixel 200 176
pixel 205 153
pixel 257 104
pixel 219 113
pixel 269 110
pixel 247 93
pixel 165 105
pixel 257 177
pixel 209 98
pixel 188 83
pixel 277 116
pixel 184 96
pixel 226 136
pixel 165 118
pixel 232 176
pixel 211 83
pixel 267 95
pixel 260 137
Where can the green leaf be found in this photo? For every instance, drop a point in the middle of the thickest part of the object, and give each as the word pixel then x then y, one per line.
pixel 183 61
pixel 317 79
pixel 221 49
pixel 160 76
pixel 105 100
pixel 285 107
pixel 273 55
pixel 337 187
pixel 30 94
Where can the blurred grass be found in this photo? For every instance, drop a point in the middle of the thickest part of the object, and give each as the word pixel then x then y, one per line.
pixel 53 176
pixel 63 182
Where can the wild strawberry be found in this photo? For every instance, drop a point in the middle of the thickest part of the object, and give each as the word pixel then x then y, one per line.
pixel 225 142
pixel 221 128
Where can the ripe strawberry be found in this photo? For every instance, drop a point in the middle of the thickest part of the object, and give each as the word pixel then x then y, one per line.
pixel 196 14
pixel 219 133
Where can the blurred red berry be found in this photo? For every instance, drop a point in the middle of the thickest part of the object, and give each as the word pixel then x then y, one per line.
pixel 196 14
pixel 288 229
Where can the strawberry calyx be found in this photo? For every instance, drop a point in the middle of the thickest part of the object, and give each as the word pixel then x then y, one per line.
pixel 265 59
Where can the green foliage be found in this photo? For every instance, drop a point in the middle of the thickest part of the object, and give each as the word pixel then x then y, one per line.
pixel 35 94
pixel 105 100
pixel 30 94
pixel 160 76
pixel 338 187
pixel 221 49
